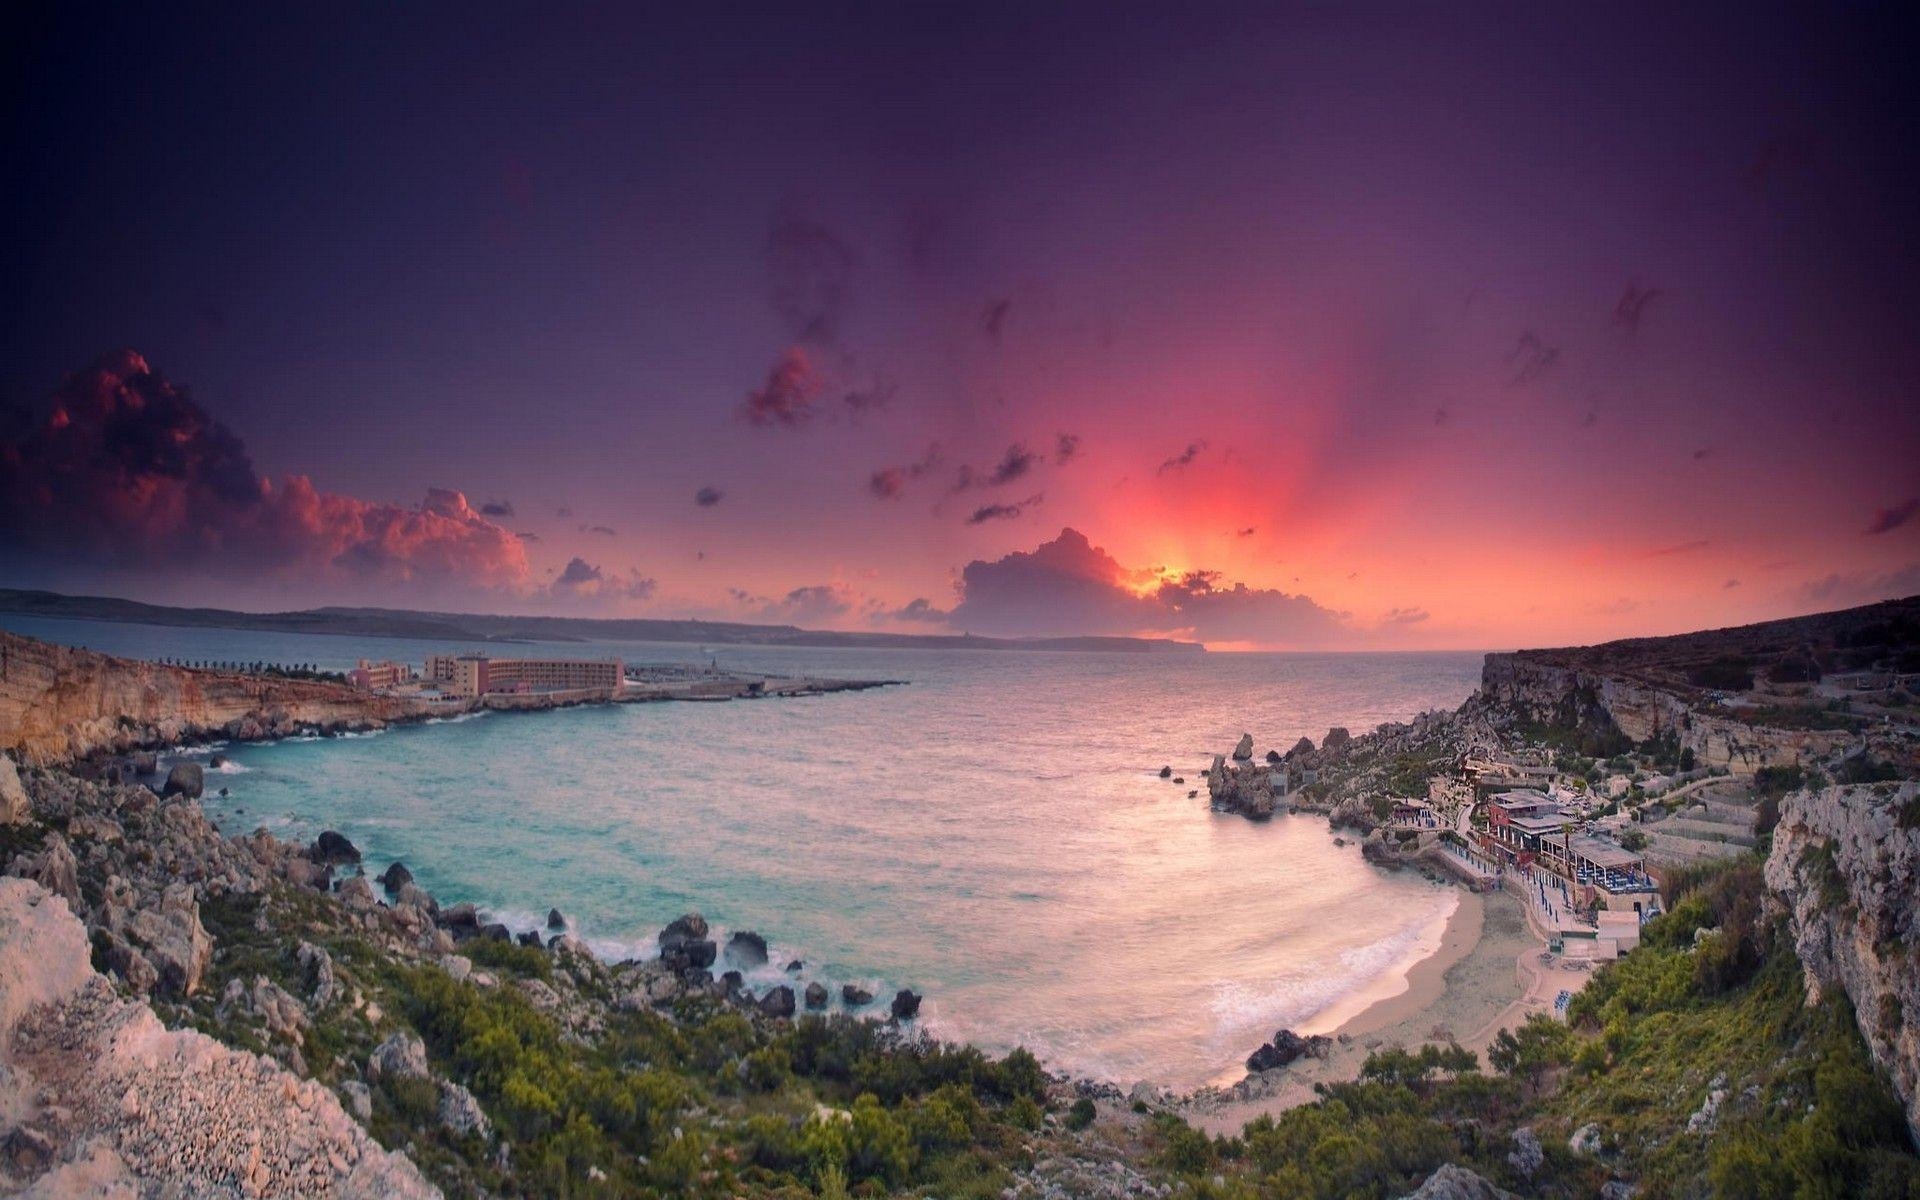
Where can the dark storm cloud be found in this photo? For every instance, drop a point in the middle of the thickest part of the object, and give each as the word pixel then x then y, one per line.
pixel 810 278
pixel 1070 586
pixel 1183 459
pixel 1886 520
pixel 497 508
pixel 126 469
pixel 707 497
pixel 787 397
pixel 1633 303
pixel 1531 358
pixel 1004 512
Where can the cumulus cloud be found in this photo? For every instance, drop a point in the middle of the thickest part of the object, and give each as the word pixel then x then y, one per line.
pixel 1886 520
pixel 1004 512
pixel 787 397
pixel 127 470
pixel 582 578
pixel 1070 586
pixel 920 610
pixel 497 508
pixel 1183 459
pixel 707 497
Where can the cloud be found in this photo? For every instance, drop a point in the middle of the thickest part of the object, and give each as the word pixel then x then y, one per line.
pixel 995 318
pixel 1070 586
pixel 1670 551
pixel 1015 464
pixel 1531 358
pixel 127 470
pixel 1247 531
pixel 1633 303
pixel 1886 520
pixel 1004 512
pixel 497 508
pixel 527 537
pixel 1405 616
pixel 1730 585
pixel 787 397
pixel 1183 459
pixel 920 610
pixel 602 530
pixel 810 278
pixel 709 496
pixel 582 578
pixel 1066 447
pixel 818 604
pixel 888 483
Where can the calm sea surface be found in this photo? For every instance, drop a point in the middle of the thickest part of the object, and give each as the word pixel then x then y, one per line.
pixel 994 834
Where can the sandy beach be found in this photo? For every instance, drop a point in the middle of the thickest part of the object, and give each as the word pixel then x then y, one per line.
pixel 1485 976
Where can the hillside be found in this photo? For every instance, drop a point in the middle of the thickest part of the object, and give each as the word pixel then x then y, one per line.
pixel 477 628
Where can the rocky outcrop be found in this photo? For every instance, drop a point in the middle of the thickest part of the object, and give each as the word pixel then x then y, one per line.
pixel 1540 689
pixel 747 949
pixel 1244 750
pixel 906 1005
pixel 115 1104
pixel 14 805
pixel 1285 1048
pixel 1242 788
pixel 1846 861
pixel 59 703
pixel 185 779
pixel 1452 1182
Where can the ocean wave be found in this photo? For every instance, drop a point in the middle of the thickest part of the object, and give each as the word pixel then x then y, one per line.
pixel 455 719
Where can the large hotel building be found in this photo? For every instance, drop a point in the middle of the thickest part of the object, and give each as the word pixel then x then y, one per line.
pixel 480 674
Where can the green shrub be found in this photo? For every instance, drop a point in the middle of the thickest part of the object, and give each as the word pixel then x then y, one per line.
pixel 1081 1114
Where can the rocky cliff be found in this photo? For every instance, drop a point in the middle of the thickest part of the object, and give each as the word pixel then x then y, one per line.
pixel 59 703
pixel 1535 686
pixel 1846 862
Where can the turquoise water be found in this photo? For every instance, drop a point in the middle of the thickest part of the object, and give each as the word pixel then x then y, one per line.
pixel 994 834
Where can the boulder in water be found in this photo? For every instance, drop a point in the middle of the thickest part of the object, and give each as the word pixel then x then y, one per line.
pixel 555 919
pixel 1286 1047
pixel 691 927
pixel 906 1004
pixel 496 932
pixel 747 948
pixel 816 995
pixel 854 995
pixel 395 877
pixel 217 761
pixel 1244 750
pixel 778 1002
pixel 1166 772
pixel 333 849
pixel 185 779
pixel 795 966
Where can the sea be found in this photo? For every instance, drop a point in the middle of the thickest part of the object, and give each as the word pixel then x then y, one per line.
pixel 993 833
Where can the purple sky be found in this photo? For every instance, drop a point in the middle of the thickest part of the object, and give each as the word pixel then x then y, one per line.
pixel 1310 327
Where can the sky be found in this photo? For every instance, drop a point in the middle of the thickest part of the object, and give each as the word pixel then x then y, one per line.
pixel 1344 327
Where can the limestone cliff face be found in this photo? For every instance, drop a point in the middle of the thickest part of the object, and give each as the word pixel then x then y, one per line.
pixel 58 703
pixel 1846 861
pixel 1539 689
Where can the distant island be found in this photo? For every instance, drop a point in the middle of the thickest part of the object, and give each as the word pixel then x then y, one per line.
pixel 484 627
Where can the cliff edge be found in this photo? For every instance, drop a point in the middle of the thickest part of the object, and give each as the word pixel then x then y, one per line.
pixel 59 703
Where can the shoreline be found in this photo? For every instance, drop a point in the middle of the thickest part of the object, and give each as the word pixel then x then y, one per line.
pixel 1482 978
